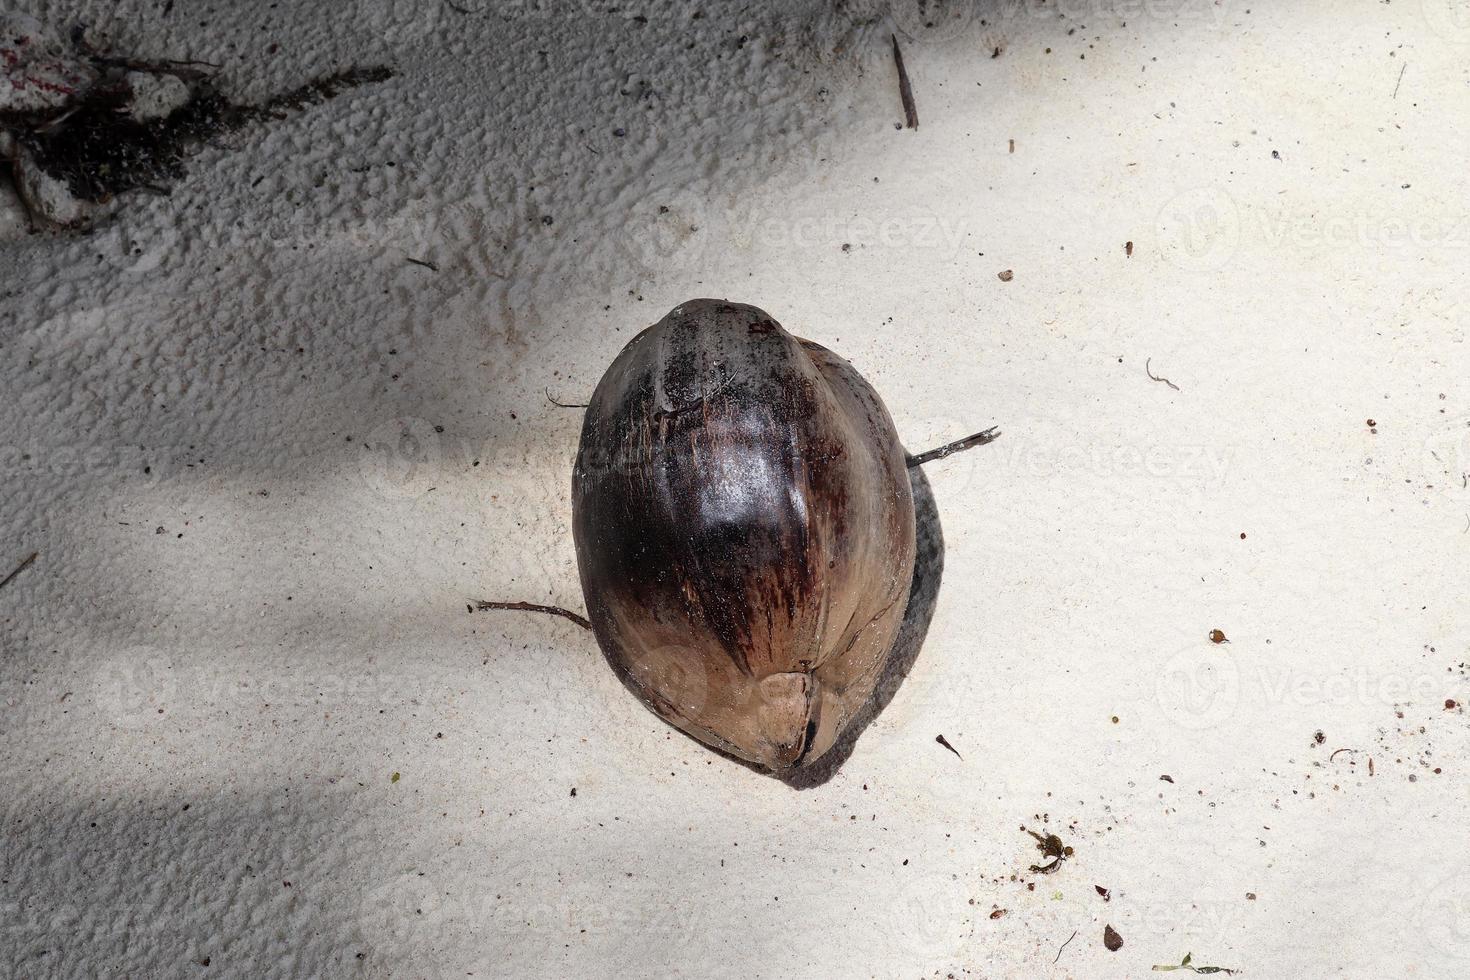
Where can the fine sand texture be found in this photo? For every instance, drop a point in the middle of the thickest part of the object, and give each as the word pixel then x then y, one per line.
pixel 273 428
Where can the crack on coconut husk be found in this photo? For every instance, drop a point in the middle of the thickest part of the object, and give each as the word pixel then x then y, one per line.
pixel 134 127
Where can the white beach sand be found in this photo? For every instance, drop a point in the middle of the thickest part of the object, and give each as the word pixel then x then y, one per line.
pixel 266 461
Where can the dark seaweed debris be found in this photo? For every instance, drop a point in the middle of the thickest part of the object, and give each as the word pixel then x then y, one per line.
pixel 323 89
pixel 1051 846
pixel 98 147
pixel 100 151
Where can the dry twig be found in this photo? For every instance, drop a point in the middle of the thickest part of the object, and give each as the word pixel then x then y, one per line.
pixel 19 568
pixel 1155 377
pixel 537 608
pixel 968 442
pixel 905 90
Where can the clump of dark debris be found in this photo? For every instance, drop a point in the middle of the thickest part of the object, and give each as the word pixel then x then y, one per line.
pixel 80 126
pixel 1052 847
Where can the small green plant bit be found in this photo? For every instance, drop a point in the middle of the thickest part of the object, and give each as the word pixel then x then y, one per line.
pixel 1185 964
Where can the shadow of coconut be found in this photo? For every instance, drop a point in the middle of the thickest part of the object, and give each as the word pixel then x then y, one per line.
pixel 923 596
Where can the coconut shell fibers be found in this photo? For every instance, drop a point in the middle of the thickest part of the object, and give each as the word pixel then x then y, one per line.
pixel 744 529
